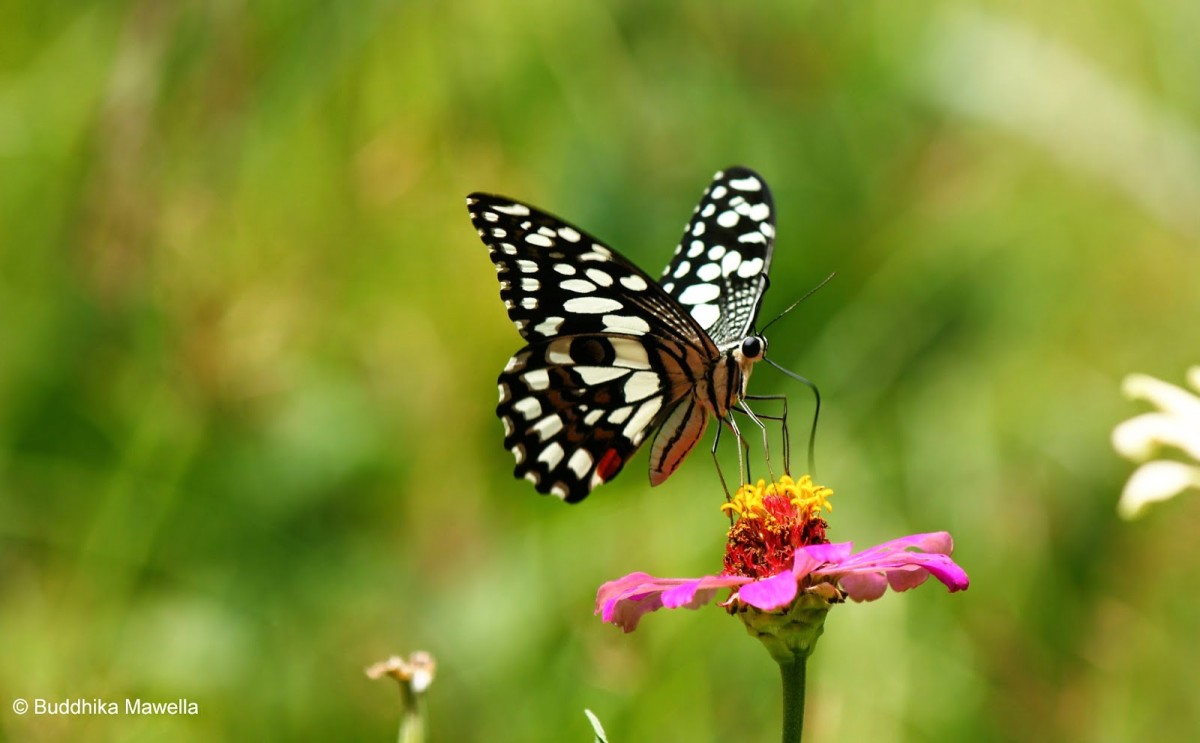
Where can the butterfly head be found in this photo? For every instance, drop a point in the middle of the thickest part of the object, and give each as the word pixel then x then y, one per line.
pixel 749 352
pixel 753 348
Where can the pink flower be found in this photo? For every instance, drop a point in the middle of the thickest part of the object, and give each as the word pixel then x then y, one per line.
pixel 773 521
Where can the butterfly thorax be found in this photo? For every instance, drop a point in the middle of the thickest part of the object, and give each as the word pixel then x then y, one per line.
pixel 713 393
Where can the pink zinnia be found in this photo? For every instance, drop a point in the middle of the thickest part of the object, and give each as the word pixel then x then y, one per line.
pixel 778 561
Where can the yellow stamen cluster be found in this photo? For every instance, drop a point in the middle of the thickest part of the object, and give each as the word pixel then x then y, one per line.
pixel 809 499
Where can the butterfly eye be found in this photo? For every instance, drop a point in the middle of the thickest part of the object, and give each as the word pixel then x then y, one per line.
pixel 754 346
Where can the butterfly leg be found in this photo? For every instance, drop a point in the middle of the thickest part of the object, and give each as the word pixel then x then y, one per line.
pixel 743 446
pixel 745 410
pixel 717 464
pixel 783 419
pixel 743 452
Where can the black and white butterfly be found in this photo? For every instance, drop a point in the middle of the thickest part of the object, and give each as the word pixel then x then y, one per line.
pixel 613 354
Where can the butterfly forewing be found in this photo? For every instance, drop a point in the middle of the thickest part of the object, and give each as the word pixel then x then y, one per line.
pixel 556 279
pixel 612 355
pixel 719 271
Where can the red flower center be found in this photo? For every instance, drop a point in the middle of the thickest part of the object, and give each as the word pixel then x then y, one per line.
pixel 772 522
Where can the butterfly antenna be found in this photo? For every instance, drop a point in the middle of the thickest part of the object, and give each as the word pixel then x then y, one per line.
pixel 793 305
pixel 812 435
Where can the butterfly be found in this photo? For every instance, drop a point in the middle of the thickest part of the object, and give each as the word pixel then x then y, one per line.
pixel 614 355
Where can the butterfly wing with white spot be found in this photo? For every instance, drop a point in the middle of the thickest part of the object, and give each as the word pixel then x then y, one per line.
pixel 556 279
pixel 575 408
pixel 719 271
pixel 610 353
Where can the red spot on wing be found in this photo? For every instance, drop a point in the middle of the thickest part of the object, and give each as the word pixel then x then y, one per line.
pixel 610 464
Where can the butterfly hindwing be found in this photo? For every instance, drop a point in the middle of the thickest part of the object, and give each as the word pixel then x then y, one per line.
pixel 719 271
pixel 575 408
pixel 680 432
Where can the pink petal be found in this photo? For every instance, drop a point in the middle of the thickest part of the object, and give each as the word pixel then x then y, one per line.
pixel 771 593
pixel 863 586
pixel 680 595
pixel 621 585
pixel 864 576
pixel 938 542
pixel 624 601
pixel 947 571
pixel 826 553
pixel 902 579
pixel 695 593
pixel 626 613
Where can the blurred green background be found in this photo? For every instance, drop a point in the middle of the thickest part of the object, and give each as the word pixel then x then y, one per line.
pixel 249 342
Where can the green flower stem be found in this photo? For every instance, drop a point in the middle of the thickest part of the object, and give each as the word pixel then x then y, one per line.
pixel 789 636
pixel 793 699
pixel 412 716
